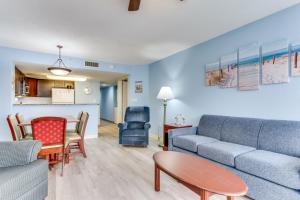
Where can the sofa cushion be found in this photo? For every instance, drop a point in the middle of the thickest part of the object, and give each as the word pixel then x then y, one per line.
pixel 211 125
pixel 18 181
pixel 275 167
pixel 223 152
pixel 135 125
pixel 243 131
pixel 280 137
pixel 190 142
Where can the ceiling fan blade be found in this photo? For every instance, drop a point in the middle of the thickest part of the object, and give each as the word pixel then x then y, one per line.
pixel 134 5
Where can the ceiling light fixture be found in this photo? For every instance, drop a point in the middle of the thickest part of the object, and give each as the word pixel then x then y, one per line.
pixel 61 70
pixel 67 78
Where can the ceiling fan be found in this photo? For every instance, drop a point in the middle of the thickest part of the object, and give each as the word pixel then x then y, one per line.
pixel 134 5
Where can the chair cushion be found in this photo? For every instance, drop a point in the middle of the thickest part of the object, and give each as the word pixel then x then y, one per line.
pixel 281 137
pixel 28 137
pixel 17 181
pixel 67 141
pixel 243 131
pixel 135 125
pixel 190 142
pixel 134 132
pixel 211 125
pixel 73 136
pixel 275 167
pixel 223 152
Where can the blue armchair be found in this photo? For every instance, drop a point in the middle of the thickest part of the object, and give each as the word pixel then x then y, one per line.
pixel 135 129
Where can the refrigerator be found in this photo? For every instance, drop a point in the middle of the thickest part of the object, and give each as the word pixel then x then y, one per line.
pixel 63 96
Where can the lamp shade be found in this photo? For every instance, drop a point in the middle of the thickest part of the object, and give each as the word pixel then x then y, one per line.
pixel 165 93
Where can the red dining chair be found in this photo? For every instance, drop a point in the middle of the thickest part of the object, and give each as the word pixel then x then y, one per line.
pixel 51 131
pixel 24 131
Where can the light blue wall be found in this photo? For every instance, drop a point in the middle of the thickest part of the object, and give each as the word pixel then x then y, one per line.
pixel 184 72
pixel 108 102
pixel 9 56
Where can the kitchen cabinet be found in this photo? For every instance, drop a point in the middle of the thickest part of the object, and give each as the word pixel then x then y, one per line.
pixel 19 81
pixel 31 87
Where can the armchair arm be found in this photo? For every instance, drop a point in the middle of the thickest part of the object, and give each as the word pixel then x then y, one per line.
pixel 122 126
pixel 147 125
pixel 18 153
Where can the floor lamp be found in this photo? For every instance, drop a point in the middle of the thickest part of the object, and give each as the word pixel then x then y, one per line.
pixel 165 94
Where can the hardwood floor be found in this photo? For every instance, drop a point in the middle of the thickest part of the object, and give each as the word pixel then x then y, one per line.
pixel 109 129
pixel 114 172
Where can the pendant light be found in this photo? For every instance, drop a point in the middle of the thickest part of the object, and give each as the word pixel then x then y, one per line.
pixel 61 69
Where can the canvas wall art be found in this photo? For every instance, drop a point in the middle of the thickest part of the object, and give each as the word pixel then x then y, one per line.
pixel 249 63
pixel 275 62
pixel 228 71
pixel 295 60
pixel 212 74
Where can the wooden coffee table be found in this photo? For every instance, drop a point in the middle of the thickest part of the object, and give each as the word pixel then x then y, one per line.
pixel 200 175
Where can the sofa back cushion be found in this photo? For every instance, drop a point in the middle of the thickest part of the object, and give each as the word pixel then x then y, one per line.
pixel 211 125
pixel 242 131
pixel 280 137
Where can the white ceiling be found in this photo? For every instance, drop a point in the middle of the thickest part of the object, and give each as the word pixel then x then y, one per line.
pixel 105 30
pixel 41 72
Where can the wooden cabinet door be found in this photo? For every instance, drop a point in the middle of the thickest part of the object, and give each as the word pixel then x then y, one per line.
pixel 32 85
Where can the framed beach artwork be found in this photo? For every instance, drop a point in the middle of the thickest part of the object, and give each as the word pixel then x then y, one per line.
pixel 295 60
pixel 212 74
pixel 249 63
pixel 275 62
pixel 138 86
pixel 228 71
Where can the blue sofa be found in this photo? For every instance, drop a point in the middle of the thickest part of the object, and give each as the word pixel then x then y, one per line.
pixel 135 130
pixel 22 176
pixel 265 153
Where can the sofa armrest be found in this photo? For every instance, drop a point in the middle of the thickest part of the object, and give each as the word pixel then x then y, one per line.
pixel 177 132
pixel 182 131
pixel 18 153
pixel 122 126
pixel 147 125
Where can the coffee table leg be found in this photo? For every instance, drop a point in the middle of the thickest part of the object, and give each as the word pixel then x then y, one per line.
pixel 157 178
pixel 230 198
pixel 204 195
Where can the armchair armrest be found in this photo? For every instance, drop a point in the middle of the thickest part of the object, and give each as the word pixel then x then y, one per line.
pixel 182 131
pixel 122 126
pixel 18 153
pixel 147 125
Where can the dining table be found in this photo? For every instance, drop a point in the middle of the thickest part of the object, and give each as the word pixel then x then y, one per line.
pixel 69 118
